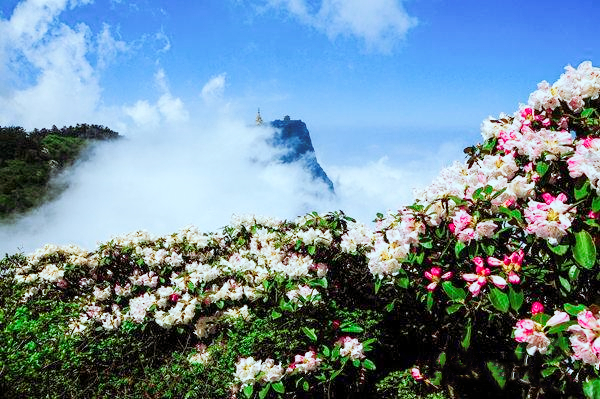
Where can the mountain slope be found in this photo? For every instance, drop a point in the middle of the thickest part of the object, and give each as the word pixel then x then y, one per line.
pixel 294 136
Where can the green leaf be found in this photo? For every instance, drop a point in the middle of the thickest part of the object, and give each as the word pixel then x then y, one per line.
pixel 356 362
pixel 312 249
pixel 466 341
pixel 390 306
pixel 305 386
pixel 564 283
pixel 516 298
pixel 584 251
pixel 489 145
pixel 499 300
pixel 275 314
pixel 454 308
pixel 335 353
pixel 558 249
pixel 437 378
pixel 454 293
pixel 286 306
pixel 402 279
pixel 548 371
pixel 573 310
pixel 563 343
pixel 458 248
pixel 378 282
pixel 429 300
pixel 583 191
pixel 427 244
pixel 542 168
pixel 489 249
pixel 591 388
pixel 191 286
pixel 326 352
pixel 520 351
pixel 498 371
pixel 248 390
pixel 352 328
pixel 369 365
pixel 442 359
pixel 587 112
pixel 561 327
pixel 262 394
pixel 596 204
pixel 310 333
pixel 298 244
pixel 278 387
pixel 573 273
pixel 320 282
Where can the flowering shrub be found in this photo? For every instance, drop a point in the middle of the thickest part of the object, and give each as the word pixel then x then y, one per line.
pixel 326 306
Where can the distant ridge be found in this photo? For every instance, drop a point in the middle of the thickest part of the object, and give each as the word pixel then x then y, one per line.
pixel 293 135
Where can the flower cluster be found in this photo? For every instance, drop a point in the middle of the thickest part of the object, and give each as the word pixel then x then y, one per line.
pixel 249 371
pixel 351 348
pixel 585 338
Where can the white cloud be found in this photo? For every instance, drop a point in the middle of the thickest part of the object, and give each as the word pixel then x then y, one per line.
pixel 60 84
pixel 379 23
pixel 109 47
pixel 164 39
pixel 213 90
pixel 143 114
pixel 167 109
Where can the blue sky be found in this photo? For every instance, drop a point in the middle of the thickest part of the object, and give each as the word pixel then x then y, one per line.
pixel 391 90
pixel 394 65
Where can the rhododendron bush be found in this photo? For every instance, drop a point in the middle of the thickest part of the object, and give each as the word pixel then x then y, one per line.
pixel 487 285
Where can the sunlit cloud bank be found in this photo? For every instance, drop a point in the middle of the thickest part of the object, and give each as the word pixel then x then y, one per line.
pixel 182 161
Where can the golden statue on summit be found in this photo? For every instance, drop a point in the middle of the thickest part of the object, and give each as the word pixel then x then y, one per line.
pixel 259 120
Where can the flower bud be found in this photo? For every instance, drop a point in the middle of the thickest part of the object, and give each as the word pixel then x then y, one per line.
pixel 536 308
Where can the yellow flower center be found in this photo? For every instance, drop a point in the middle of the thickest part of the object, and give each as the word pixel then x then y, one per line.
pixel 552 215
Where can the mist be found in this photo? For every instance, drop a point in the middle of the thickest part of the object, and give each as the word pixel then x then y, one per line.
pixel 201 173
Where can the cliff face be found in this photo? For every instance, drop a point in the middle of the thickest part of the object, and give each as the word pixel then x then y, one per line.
pixel 295 137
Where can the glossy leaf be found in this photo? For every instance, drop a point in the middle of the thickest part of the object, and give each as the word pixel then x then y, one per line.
pixel 560 249
pixel 583 191
pixel 497 371
pixel 310 333
pixel 458 248
pixel 454 293
pixel 278 387
pixel 499 300
pixel 591 389
pixel 573 310
pixel 369 365
pixel 584 251
pixel 516 298
pixel 466 341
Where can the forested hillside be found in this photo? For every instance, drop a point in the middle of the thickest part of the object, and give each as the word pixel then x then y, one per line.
pixel 29 159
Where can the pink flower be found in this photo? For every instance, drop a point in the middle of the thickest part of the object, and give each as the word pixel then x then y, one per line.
pixel 558 318
pixel 416 373
pixel 549 219
pixel 435 276
pixel 583 344
pixel 523 329
pixel 307 363
pixel 586 319
pixel 511 265
pixel 527 330
pixel 536 308
pixel 481 276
